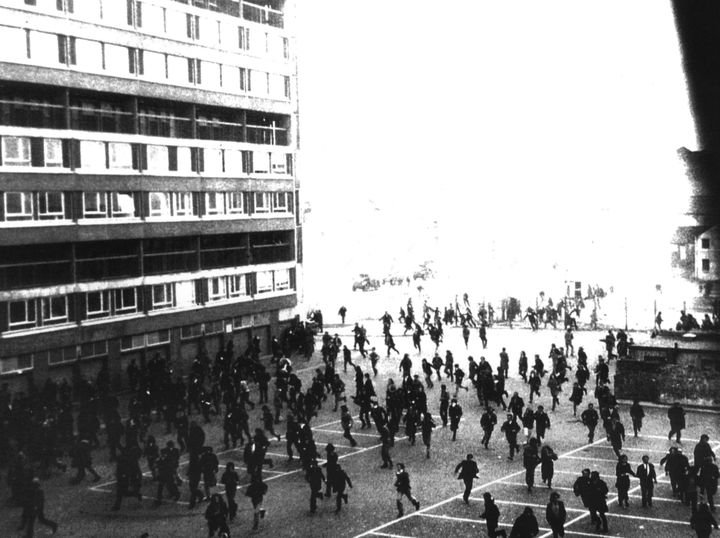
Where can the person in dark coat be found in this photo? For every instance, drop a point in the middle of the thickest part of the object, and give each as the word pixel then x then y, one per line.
pixel 315 478
pixel 542 423
pixel 526 525
pixel 511 429
pixel 488 420
pixel 402 486
pixel 209 464
pixel 703 450
pixel 547 465
pixel 427 426
pixel 590 419
pixel 455 413
pixel 708 481
pixel 230 479
pixel 491 515
pixel 340 479
pixel 597 503
pixel 676 415
pixel 623 472
pixel 646 474
pixel 637 413
pixel 577 396
pixel 468 471
pixel 531 459
pixel 676 463
pixel 34 509
pixel 216 515
pixel 703 522
pixel 556 515
pixel 256 491
pixel 82 460
pixel 616 433
pixel 581 488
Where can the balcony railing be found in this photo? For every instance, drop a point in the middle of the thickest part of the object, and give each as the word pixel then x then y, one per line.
pixel 50 116
pixel 165 125
pixel 99 120
pixel 251 12
pixel 30 114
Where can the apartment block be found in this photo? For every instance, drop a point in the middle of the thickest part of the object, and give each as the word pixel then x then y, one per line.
pixel 148 182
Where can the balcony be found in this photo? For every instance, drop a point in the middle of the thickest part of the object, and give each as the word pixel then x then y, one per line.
pixel 250 12
pixel 32 114
pixel 45 115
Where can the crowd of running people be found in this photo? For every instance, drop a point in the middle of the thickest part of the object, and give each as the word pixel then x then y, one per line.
pixel 40 428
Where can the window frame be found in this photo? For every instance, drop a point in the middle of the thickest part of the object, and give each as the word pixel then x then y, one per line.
pixel 167 301
pixel 267 200
pixel 222 290
pixel 283 285
pixel 47 304
pixel 50 215
pixel 102 203
pixel 30 318
pixel 237 286
pixel 27 203
pixel 276 207
pixel 167 205
pixel 104 305
pixel 23 147
pixel 116 211
pixel 216 195
pixel 119 301
pixel 236 209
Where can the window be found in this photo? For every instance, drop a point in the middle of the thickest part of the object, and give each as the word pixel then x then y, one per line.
pixel 31 2
pixel 162 296
pixel 192 26
pixel 135 61
pixel 236 203
pixel 92 155
pixel 182 204
pixel 157 338
pixel 94 205
pixel 214 203
pixel 280 202
pixel 245 84
pixel 264 281
pixel 212 161
pixel 190 331
pixel 286 48
pixel 237 286
pixel 21 314
pixel 261 162
pixel 66 50
pixel 134 13
pixel 125 301
pixel 18 206
pixel 93 349
pixel 263 202
pixel 120 155
pixel 14 365
pixel 158 158
pixel 278 163
pixel 705 265
pixel 217 289
pixel 282 279
pixel 194 71
pixel 98 304
pixel 160 204
pixel 705 243
pixel 243 38
pixel 54 309
pixel 129 343
pixel 185 293
pixel 53 152
pixel 64 5
pixel 62 355
pixel 15 151
pixel 123 204
pixel 286 84
pixel 51 205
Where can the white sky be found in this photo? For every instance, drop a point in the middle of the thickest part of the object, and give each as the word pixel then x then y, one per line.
pixel 535 130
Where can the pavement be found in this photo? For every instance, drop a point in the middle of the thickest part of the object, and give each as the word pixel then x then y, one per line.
pixel 84 510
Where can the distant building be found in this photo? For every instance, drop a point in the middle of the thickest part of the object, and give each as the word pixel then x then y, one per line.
pixel 149 195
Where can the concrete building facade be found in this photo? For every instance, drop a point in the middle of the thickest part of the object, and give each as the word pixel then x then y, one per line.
pixel 148 188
